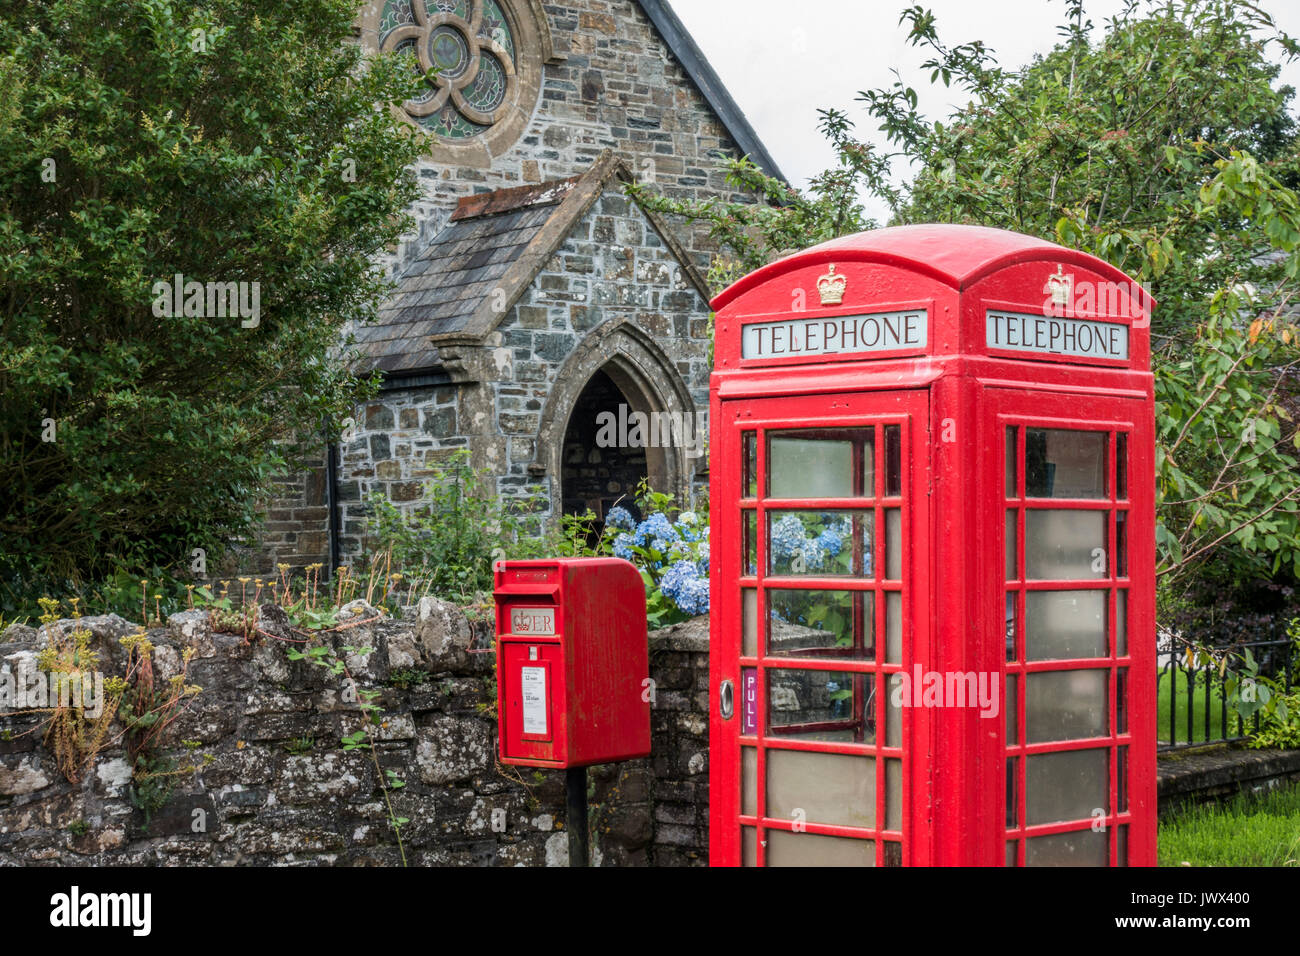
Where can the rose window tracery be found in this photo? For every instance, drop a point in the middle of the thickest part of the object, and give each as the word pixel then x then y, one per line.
pixel 465 51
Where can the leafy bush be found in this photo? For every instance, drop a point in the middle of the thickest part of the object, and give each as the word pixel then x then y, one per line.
pixel 450 542
pixel 1253 694
pixel 142 140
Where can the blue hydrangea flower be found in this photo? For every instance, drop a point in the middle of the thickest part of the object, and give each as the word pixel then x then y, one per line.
pixel 694 597
pixel 623 547
pixel 620 517
pixel 656 528
pixel 788 538
pixel 830 541
pixel 683 584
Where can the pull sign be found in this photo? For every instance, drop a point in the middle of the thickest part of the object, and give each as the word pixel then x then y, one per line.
pixel 836 335
pixel 749 700
pixel 533 686
pixel 1016 332
pixel 532 620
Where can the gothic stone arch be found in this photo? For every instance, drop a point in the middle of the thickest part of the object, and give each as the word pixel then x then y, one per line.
pixel 645 376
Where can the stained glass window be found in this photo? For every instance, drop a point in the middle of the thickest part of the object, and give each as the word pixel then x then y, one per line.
pixel 464 50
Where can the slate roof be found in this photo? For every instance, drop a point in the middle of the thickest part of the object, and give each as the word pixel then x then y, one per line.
pixel 441 290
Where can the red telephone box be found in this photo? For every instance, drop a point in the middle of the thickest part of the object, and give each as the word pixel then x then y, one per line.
pixel 933 630
pixel 573 664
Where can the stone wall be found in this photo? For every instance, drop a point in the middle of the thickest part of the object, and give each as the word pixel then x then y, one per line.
pixel 271 784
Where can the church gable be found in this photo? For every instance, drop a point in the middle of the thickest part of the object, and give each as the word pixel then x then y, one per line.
pixel 490 256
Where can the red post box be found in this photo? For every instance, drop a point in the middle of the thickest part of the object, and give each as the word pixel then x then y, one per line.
pixel 933 631
pixel 573 665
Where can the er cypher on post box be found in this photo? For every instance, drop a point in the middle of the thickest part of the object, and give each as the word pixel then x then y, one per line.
pixel 572 662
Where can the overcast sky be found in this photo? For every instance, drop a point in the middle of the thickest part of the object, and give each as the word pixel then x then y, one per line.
pixel 781 66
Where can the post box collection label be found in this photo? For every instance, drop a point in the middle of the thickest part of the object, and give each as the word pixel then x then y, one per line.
pixel 533 620
pixel 533 686
pixel 1018 332
pixel 836 335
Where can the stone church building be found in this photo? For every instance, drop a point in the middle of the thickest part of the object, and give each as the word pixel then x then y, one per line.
pixel 535 294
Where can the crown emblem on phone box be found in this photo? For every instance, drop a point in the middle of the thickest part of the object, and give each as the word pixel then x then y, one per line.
pixel 831 287
pixel 1060 286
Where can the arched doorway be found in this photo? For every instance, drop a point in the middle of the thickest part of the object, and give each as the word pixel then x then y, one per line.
pixel 617 366
pixel 602 460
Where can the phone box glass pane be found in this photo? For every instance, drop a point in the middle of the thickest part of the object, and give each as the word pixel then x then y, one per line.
pixel 1012 539
pixel 893 461
pixel 893 711
pixel 1121 623
pixel 749 621
pixel 1065 786
pixel 1121 466
pixel 1011 625
pixel 819 623
pixel 819 543
pixel 1078 848
pixel 821 705
pixel 749 464
pixel 1011 487
pixel 1062 625
pixel 1065 464
pixel 1009 703
pixel 809 468
pixel 1065 545
pixel 893 627
pixel 748 846
pixel 1013 788
pixel 837 789
pixel 894 544
pixel 1065 705
pixel 785 848
pixel 749 781
pixel 749 529
pixel 893 794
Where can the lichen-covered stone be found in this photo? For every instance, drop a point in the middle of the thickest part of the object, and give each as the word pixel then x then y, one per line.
pixel 453 748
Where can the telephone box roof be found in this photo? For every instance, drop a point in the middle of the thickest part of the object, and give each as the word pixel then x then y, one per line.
pixel 956 255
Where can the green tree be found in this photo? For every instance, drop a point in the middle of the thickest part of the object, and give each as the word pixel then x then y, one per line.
pixel 1165 147
pixel 224 141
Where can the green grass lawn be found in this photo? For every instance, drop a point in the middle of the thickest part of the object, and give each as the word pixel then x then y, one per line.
pixel 1198 710
pixel 1246 831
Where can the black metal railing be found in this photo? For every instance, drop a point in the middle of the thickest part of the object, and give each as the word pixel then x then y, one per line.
pixel 1181 687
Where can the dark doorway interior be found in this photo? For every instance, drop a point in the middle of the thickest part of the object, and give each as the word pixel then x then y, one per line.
pixel 593 477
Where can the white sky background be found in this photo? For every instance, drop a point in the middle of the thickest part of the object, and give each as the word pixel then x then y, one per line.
pixel 783 61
